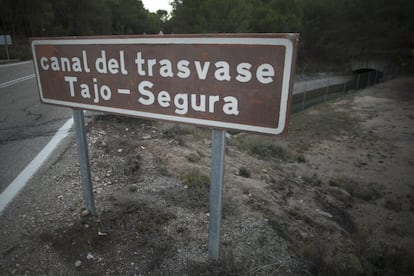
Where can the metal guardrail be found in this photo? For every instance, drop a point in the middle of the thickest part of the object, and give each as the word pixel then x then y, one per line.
pixel 304 97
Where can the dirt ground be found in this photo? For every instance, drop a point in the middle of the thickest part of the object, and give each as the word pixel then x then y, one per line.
pixel 336 197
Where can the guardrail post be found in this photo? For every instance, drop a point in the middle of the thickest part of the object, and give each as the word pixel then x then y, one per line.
pixel 85 170
pixel 357 84
pixel 304 98
pixel 368 79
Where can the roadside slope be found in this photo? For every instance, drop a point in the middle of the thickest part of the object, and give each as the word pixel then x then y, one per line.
pixel 336 196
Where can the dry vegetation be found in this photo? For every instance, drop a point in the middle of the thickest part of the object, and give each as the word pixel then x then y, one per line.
pixel 334 198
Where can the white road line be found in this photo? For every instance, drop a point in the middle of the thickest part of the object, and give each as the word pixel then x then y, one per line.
pixel 22 179
pixel 12 82
pixel 14 64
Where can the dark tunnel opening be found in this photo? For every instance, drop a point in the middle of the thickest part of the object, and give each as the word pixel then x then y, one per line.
pixel 365 77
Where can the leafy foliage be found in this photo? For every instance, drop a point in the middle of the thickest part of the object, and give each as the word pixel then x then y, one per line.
pixel 77 17
pixel 332 31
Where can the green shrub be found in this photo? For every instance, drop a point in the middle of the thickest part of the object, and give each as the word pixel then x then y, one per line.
pixel 196 182
pixel 245 172
pixel 261 147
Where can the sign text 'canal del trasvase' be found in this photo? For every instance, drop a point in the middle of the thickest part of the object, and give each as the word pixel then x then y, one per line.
pixel 224 81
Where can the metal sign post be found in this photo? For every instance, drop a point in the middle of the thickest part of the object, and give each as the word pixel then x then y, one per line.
pixel 85 171
pixel 6 40
pixel 218 146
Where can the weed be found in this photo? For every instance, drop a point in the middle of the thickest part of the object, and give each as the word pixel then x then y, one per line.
pixel 378 258
pixel 201 133
pixel 268 151
pixel 261 147
pixel 410 198
pixel 325 258
pixel 388 260
pixel 196 182
pixel 364 191
pixel 312 180
pixel 301 158
pixel 245 172
pixel 132 164
pixel 161 167
pixel 339 215
pixel 177 131
pixel 393 204
pixel 193 157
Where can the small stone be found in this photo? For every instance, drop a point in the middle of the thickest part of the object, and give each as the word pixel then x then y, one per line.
pixel 78 263
pixel 85 213
pixel 90 256
pixel 323 213
pixel 119 150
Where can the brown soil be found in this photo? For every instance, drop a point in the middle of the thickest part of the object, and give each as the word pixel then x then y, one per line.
pixel 334 198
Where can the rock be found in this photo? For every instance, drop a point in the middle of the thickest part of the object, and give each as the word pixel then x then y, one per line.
pixel 78 263
pixel 339 193
pixel 323 213
pixel 90 256
pixel 85 213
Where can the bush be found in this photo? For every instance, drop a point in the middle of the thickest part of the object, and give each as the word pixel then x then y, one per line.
pixel 261 147
pixel 364 191
pixel 245 172
pixel 196 182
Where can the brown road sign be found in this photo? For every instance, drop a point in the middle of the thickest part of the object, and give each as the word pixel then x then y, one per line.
pixel 241 82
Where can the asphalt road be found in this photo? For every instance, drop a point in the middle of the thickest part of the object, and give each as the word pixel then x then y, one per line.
pixel 26 125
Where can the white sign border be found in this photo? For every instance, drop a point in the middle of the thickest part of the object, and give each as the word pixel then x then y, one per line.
pixel 275 41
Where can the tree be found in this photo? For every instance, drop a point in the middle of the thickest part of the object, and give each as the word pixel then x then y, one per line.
pixel 210 16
